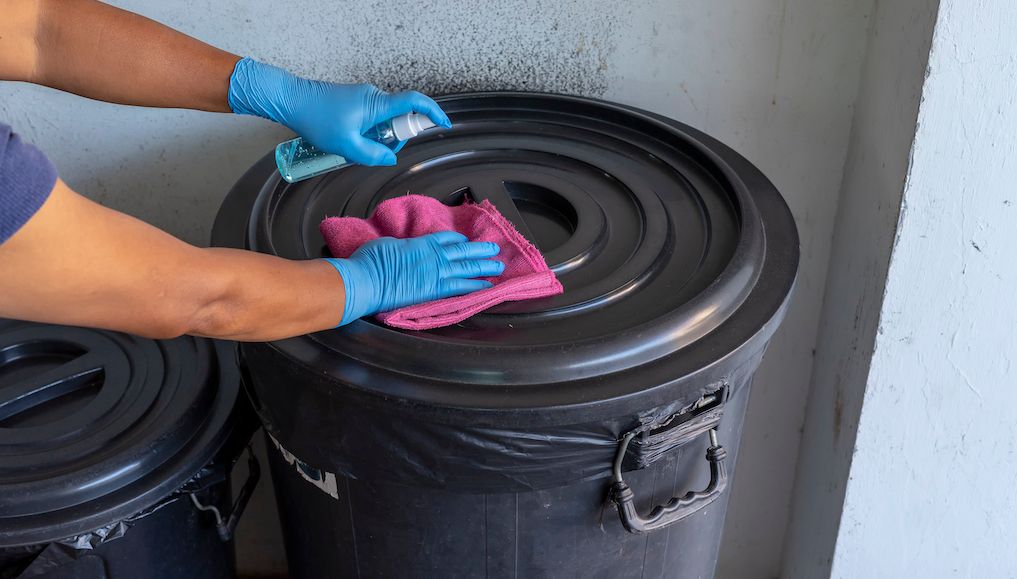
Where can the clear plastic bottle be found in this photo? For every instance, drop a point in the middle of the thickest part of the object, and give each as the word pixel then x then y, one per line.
pixel 298 159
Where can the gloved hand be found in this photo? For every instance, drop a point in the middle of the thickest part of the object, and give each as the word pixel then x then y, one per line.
pixel 331 116
pixel 387 273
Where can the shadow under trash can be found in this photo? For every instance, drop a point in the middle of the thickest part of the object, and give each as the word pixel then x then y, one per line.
pixel 591 434
pixel 115 455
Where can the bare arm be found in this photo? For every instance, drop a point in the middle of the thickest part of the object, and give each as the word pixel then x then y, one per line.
pixel 101 52
pixel 79 263
pixel 76 262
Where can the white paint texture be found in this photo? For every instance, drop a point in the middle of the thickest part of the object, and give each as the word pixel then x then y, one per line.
pixel 775 79
pixel 874 175
pixel 931 491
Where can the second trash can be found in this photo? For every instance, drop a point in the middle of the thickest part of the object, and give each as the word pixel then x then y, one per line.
pixel 115 455
pixel 592 434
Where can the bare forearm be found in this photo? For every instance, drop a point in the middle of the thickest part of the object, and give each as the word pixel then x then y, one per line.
pixel 101 52
pixel 261 298
pixel 76 262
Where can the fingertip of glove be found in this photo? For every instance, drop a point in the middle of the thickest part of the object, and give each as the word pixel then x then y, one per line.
pixel 386 159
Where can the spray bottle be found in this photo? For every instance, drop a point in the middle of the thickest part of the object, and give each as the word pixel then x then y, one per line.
pixel 298 159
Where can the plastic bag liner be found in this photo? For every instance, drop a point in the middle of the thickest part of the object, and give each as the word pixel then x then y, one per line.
pixel 40 560
pixel 350 440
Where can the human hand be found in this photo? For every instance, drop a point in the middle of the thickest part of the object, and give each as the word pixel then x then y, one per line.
pixel 333 117
pixel 387 273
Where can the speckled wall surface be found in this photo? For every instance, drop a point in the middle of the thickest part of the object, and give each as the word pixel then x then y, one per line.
pixel 878 162
pixel 775 79
pixel 931 486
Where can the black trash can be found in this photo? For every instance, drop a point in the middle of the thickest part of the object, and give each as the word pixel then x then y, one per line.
pixel 115 455
pixel 591 434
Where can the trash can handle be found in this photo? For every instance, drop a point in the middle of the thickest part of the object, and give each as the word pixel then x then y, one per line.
pixel 677 508
pixel 226 528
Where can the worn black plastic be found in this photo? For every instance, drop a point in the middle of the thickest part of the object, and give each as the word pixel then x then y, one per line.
pixel 677 257
pixel 659 234
pixel 377 528
pixel 176 541
pixel 103 438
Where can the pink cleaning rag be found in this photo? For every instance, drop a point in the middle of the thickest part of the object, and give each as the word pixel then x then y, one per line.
pixel 526 275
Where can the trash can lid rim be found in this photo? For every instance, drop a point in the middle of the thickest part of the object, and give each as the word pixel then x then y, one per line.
pixel 669 245
pixel 96 426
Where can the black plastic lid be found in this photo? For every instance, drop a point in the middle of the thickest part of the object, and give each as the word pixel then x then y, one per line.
pixel 96 426
pixel 670 246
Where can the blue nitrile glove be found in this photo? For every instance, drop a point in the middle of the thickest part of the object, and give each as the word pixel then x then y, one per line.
pixel 331 116
pixel 388 273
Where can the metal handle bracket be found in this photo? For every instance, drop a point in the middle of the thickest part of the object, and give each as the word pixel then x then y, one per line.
pixel 677 508
pixel 226 527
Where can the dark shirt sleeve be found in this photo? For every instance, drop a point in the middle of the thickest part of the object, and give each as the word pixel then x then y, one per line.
pixel 26 179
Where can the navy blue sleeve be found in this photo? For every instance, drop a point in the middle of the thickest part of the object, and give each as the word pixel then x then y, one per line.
pixel 26 178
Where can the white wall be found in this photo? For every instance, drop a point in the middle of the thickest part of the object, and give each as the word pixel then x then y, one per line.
pixel 874 176
pixel 931 491
pixel 775 79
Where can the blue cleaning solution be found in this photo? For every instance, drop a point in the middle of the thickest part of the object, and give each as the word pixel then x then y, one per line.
pixel 298 159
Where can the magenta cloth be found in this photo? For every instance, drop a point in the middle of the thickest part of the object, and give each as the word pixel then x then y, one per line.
pixel 526 274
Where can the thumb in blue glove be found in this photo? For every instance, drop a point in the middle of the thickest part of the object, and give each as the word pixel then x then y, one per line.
pixel 332 116
pixel 387 273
